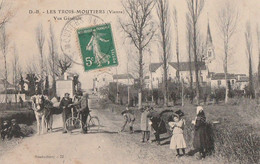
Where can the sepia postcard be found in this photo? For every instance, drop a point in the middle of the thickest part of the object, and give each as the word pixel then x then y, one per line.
pixel 129 81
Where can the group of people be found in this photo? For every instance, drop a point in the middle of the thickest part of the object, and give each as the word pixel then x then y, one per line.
pixel 9 130
pixel 176 122
pixel 80 103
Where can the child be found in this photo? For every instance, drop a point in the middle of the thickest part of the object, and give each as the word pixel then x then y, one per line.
pixel 128 118
pixel 145 127
pixel 15 130
pixel 5 130
pixel 177 140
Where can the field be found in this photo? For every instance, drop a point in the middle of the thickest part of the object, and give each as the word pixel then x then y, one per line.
pixel 236 138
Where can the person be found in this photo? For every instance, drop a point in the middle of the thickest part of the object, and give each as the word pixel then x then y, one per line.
pixel 128 118
pixel 201 140
pixel 145 127
pixel 83 108
pixel 177 140
pixel 65 106
pixel 21 101
pixel 5 129
pixel 15 130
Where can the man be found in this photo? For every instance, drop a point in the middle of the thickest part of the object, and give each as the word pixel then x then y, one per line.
pixel 15 130
pixel 65 106
pixel 128 118
pixel 83 108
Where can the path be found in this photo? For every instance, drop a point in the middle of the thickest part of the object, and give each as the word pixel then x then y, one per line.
pixel 104 148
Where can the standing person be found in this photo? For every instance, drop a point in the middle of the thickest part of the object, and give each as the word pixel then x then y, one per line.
pixel 83 108
pixel 5 128
pixel 145 127
pixel 177 140
pixel 128 118
pixel 201 140
pixel 65 106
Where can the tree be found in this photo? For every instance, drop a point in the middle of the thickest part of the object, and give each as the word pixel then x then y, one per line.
pixel 194 10
pixel 189 47
pixel 64 63
pixel 249 45
pixel 227 22
pixel 31 77
pixel 16 68
pixel 40 42
pixel 175 16
pixel 258 79
pixel 47 86
pixel 21 83
pixel 165 42
pixel 140 29
pixel 53 59
pixel 4 48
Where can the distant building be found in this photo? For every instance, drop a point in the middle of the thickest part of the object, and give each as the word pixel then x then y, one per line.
pixel 126 79
pixel 101 80
pixel 156 72
pixel 237 81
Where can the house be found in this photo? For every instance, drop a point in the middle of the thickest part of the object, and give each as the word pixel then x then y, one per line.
pixel 126 79
pixel 156 72
pixel 237 81
pixel 102 79
pixel 9 85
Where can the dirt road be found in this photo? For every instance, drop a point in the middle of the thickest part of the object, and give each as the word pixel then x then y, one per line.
pixel 105 147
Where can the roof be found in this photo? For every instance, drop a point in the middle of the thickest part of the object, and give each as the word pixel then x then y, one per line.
pixel 221 76
pixel 122 76
pixel 184 66
pixel 154 66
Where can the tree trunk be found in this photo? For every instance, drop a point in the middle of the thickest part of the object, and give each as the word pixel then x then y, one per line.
pixel 140 90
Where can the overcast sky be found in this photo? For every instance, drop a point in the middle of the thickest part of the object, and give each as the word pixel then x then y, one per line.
pixel 21 31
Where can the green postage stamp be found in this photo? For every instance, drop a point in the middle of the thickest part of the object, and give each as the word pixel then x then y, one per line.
pixel 97 47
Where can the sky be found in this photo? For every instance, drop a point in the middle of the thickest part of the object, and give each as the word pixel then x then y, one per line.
pixel 21 31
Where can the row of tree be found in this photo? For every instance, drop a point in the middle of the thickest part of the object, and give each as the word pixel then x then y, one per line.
pixel 53 65
pixel 140 28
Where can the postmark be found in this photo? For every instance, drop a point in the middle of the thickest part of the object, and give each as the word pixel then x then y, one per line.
pixel 97 47
pixel 69 44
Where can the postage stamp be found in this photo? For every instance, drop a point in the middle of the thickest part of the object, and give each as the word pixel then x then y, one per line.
pixel 97 47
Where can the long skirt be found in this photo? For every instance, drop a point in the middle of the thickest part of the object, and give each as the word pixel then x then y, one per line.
pixel 177 141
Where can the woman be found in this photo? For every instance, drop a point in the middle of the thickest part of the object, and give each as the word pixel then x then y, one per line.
pixel 145 127
pixel 201 141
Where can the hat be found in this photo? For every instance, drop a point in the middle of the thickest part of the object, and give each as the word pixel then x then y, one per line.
pixel 13 120
pixel 175 115
pixel 180 113
pixel 67 93
pixel 199 109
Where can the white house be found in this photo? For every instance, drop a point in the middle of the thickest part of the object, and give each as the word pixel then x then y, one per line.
pixel 101 80
pixel 65 84
pixel 156 72
pixel 126 79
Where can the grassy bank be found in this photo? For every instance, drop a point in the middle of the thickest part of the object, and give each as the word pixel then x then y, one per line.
pixel 236 138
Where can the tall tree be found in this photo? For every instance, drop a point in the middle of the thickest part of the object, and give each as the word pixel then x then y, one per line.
pixel 165 42
pixel 139 27
pixel 4 48
pixel 194 11
pixel 175 16
pixel 40 38
pixel 53 59
pixel 189 48
pixel 15 66
pixel 227 22
pixel 249 46
pixel 258 46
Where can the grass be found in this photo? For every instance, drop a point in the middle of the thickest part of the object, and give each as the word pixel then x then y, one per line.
pixel 236 138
